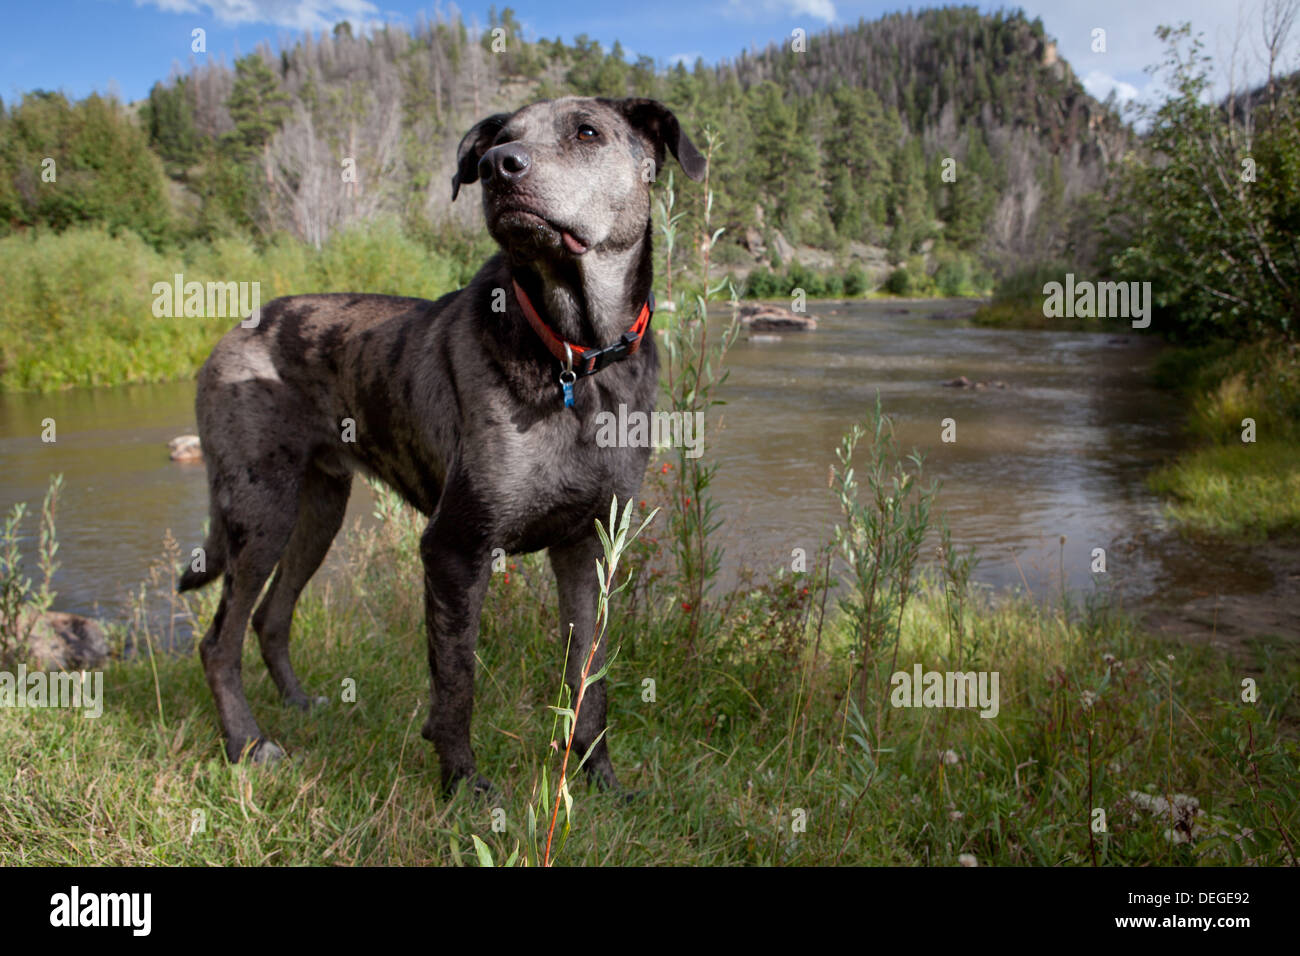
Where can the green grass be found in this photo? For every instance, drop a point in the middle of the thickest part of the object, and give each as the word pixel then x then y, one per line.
pixel 1249 491
pixel 1018 303
pixel 1225 485
pixel 76 307
pixel 743 739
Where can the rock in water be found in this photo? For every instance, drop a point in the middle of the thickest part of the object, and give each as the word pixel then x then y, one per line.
pixel 67 642
pixel 772 318
pixel 961 381
pixel 186 448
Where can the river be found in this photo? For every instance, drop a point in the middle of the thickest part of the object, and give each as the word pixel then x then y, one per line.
pixel 1063 450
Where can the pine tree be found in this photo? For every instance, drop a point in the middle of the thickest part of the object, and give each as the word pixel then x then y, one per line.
pixel 257 107
pixel 855 167
pixel 170 123
pixel 970 199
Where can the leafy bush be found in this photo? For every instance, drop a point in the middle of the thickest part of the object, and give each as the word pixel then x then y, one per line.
pixel 730 254
pixel 1026 283
pixel 763 284
pixel 900 282
pixel 1217 245
pixel 103 170
pixel 953 276
pixel 856 282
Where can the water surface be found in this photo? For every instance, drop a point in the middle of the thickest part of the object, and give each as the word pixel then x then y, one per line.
pixel 1063 450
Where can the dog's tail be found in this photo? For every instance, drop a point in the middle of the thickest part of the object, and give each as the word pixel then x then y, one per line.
pixel 211 563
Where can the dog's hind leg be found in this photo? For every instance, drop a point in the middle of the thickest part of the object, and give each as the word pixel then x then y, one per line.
pixel 322 503
pixel 251 556
pixel 575 569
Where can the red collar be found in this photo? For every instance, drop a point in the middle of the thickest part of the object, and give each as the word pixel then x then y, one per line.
pixel 586 360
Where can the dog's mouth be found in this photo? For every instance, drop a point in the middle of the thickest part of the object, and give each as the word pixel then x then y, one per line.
pixel 527 218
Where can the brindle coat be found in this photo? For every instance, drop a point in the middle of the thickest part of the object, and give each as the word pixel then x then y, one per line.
pixel 456 406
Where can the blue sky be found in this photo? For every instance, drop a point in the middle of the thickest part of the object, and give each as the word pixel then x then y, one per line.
pixel 123 46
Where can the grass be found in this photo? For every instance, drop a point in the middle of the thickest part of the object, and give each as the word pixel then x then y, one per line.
pixel 753 748
pixel 1249 491
pixel 1018 303
pixel 1028 314
pixel 76 308
pixel 1224 484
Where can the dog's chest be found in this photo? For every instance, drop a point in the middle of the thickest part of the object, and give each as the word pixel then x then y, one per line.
pixel 547 483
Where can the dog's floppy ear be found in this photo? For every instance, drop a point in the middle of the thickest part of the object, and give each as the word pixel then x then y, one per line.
pixel 476 142
pixel 659 126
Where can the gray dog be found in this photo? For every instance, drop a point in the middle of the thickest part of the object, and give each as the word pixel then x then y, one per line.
pixel 478 408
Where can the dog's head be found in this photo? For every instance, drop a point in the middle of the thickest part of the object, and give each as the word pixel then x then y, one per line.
pixel 563 177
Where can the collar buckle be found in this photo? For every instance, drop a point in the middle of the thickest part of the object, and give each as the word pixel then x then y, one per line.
pixel 598 359
pixel 590 360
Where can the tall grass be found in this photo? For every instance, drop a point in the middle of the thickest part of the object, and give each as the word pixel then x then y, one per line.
pixel 615 538
pixel 1017 302
pixel 694 369
pixel 22 600
pixel 1224 484
pixel 76 306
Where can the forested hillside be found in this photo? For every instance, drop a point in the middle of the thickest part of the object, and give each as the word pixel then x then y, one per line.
pixel 833 145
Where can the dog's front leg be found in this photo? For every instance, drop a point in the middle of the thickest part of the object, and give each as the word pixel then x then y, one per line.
pixel 575 576
pixel 457 566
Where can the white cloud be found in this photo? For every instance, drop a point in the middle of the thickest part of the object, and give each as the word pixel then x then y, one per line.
pixel 1131 44
pixel 296 14
pixel 172 6
pixel 1100 84
pixel 823 10
pixel 686 59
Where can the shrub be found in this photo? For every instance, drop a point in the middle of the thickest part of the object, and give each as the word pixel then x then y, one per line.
pixel 953 276
pixel 899 282
pixel 763 284
pixel 856 282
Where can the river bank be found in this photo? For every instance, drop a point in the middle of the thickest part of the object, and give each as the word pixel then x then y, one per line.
pixel 761 738
pixel 752 748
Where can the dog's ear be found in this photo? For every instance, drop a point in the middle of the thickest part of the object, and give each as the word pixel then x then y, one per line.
pixel 657 124
pixel 476 142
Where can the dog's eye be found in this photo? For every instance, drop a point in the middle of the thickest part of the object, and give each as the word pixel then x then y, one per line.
pixel 587 133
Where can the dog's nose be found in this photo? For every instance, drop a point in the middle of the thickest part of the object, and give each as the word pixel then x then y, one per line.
pixel 509 161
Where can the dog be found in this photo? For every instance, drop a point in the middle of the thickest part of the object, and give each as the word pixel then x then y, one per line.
pixel 479 409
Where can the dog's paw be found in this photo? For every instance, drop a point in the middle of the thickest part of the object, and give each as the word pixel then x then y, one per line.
pixel 615 791
pixel 479 787
pixel 304 702
pixel 601 776
pixel 267 752
pixel 627 797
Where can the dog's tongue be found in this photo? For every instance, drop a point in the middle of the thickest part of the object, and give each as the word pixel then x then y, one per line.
pixel 573 245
